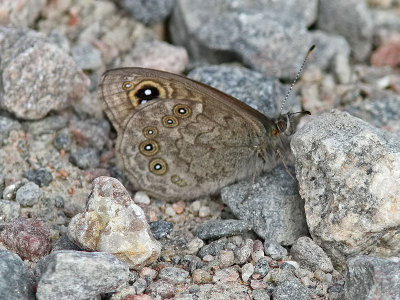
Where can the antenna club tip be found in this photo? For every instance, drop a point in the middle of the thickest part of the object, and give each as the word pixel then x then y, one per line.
pixel 311 48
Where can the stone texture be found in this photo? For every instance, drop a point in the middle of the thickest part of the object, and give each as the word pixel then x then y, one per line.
pixel 273 206
pixel 6 126
pixel 20 12
pixel 16 281
pixel 291 289
pixel 113 223
pixel 261 92
pixel 29 238
pixel 29 194
pixel 370 278
pixel 148 11
pixel 218 228
pixel 37 76
pixel 351 19
pixel 310 255
pixel 68 274
pixel 348 172
pixel 9 210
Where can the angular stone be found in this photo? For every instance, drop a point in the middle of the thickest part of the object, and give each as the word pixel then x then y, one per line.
pixel 113 223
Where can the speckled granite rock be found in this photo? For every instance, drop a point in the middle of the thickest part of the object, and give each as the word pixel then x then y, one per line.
pixel 114 223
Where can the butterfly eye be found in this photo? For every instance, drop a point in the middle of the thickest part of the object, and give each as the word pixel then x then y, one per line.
pixel 182 111
pixel 281 124
pixel 158 166
pixel 148 147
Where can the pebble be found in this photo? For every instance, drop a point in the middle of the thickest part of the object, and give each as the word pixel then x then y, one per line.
pixel 219 228
pixel 81 274
pixel 176 275
pixel 140 285
pixel 162 288
pixel 87 57
pixel 243 253
pixel 194 245
pixel 29 238
pixel 274 249
pixel 260 294
pixel 113 223
pixel 10 190
pixel 92 133
pixel 247 270
pixel 226 275
pixel 9 210
pixel 258 284
pixel 291 289
pixel 179 207
pixel 148 274
pixel 85 158
pixel 257 255
pixel 141 198
pixel 200 276
pixel 149 11
pixel 62 140
pixel 160 228
pixel 261 267
pixel 204 211
pixel 6 126
pixel 191 263
pixel 213 248
pixel 226 258
pixel 16 281
pixel 29 194
pixel 41 177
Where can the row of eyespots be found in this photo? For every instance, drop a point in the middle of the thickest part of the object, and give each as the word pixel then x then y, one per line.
pixel 150 147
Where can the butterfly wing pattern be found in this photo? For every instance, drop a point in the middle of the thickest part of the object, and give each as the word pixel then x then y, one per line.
pixel 179 139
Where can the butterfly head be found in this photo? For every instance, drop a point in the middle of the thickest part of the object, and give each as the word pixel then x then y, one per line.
pixel 286 123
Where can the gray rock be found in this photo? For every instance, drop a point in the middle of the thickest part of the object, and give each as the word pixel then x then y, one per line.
pixel 274 249
pixel 62 140
pixel 219 228
pixel 91 133
pixel 273 206
pixel 77 275
pixel 350 19
pixel 9 210
pixel 85 158
pixel 176 275
pixel 309 255
pixel 214 248
pixel 291 289
pixel 29 194
pixel 87 57
pixel 263 93
pixel 372 278
pixel 41 177
pixel 243 252
pixel 263 34
pixel 348 172
pixel 47 125
pixel 148 11
pixel 6 126
pixel 260 294
pixel 262 267
pixel 48 78
pixel 160 228
pixel 16 281
pixel 191 263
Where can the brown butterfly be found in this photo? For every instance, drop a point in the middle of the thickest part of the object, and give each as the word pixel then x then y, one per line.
pixel 181 139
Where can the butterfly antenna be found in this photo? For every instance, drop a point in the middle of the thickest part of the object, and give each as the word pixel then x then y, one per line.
pixel 297 76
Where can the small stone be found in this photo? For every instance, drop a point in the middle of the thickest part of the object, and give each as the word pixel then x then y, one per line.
pixel 29 238
pixel 9 210
pixel 308 254
pixel 148 273
pixel 141 198
pixel 86 56
pixel 195 245
pixel 10 190
pixel 62 140
pixel 41 177
pixel 258 284
pixel 274 249
pixel 85 158
pixel 92 133
pixel 170 212
pixel 191 263
pixel 29 194
pixel 243 253
pixel 320 275
pixel 247 271
pixel 16 281
pixel 114 223
pixel 213 248
pixel 262 267
pixel 386 55
pixel 140 285
pixel 204 211
pixel 179 207
pixel 226 275
pixel 257 255
pixel 289 265
pixel 59 202
pixel 201 276
pixel 208 258
pixel 226 258
pixel 160 228
pixel 219 228
pixel 195 206
pixel 291 289
pixel 149 11
pixel 6 126
pixel 176 275
pixel 81 274
pixel 162 288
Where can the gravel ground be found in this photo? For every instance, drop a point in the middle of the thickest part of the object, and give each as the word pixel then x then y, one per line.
pixel 73 227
